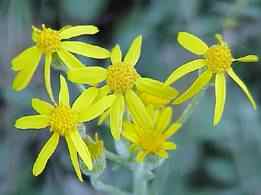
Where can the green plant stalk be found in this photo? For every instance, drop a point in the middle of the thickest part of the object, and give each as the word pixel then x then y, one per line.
pixel 140 183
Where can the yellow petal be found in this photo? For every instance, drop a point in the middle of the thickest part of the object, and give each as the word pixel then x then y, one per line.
pixel 47 76
pixel 116 116
pixel 69 60
pixel 169 146
pixel 196 86
pixel 32 122
pixel 83 102
pixel 192 43
pixel 81 148
pixel 74 157
pixel 140 156
pixel 220 91
pixel 46 152
pixel 129 132
pixel 164 119
pixel 64 97
pixel 172 129
pixel 42 107
pixel 28 58
pixel 134 51
pixel 185 69
pixel 162 154
pixel 156 88
pixel 97 108
pixel 248 58
pixel 116 55
pixel 91 75
pixel 103 117
pixel 86 49
pixel 138 110
pixel 241 84
pixel 75 31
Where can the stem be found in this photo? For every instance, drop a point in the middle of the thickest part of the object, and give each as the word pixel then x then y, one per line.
pixel 100 186
pixel 140 185
pixel 116 158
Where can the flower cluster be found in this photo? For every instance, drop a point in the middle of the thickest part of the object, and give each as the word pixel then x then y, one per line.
pixel 138 109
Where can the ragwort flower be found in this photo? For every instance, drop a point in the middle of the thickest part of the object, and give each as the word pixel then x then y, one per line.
pixel 63 120
pixel 153 141
pixel 49 42
pixel 217 61
pixel 121 79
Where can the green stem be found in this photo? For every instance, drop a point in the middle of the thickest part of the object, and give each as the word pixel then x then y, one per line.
pixel 140 185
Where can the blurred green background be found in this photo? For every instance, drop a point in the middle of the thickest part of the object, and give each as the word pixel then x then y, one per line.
pixel 225 160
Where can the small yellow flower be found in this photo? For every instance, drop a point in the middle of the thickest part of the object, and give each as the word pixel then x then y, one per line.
pixel 63 120
pixel 217 61
pixel 121 79
pixel 152 141
pixel 49 42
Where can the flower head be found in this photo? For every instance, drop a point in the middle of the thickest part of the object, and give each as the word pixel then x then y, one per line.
pixel 63 120
pixel 122 79
pixel 216 61
pixel 48 42
pixel 152 141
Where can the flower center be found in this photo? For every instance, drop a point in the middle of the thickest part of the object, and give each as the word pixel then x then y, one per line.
pixel 151 140
pixel 121 77
pixel 48 40
pixel 219 58
pixel 63 120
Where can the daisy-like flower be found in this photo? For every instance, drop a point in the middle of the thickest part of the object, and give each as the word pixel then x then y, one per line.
pixel 122 79
pixel 153 141
pixel 216 61
pixel 48 42
pixel 63 121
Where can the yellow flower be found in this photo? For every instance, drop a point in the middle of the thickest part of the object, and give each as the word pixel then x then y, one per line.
pixel 121 79
pixel 49 42
pixel 152 141
pixel 64 120
pixel 217 61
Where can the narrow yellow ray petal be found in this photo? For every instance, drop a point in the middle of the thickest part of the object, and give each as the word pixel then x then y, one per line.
pixel 116 116
pixel 103 117
pixel 156 88
pixel 192 43
pixel 69 60
pixel 169 146
pixel 42 107
pixel 137 110
pixel 46 152
pixel 85 49
pixel 134 51
pixel 164 119
pixel 172 129
pixel 29 57
pixel 196 86
pixel 185 69
pixel 32 122
pixel 47 76
pixel 74 157
pixel 241 84
pixel 64 97
pixel 83 102
pixel 79 30
pixel 248 58
pixel 91 75
pixel 141 156
pixel 162 154
pixel 97 108
pixel 116 55
pixel 220 92
pixel 129 132
pixel 81 148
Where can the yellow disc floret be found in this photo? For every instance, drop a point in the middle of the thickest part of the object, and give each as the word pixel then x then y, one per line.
pixel 48 40
pixel 121 77
pixel 219 58
pixel 63 120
